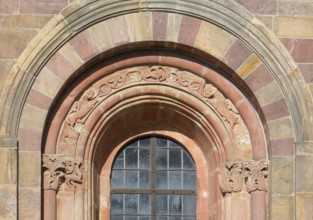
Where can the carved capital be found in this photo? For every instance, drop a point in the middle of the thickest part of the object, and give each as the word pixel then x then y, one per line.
pixel 57 169
pixel 234 176
pixel 231 177
pixel 255 175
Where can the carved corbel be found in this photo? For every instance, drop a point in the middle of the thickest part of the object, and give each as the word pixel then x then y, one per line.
pixel 57 169
pixel 231 177
pixel 256 175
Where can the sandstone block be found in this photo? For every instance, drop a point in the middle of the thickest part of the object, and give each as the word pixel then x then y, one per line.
pixel 8 200
pixel 282 175
pixel 259 6
pixel 304 173
pixel 139 26
pixel 304 203
pixel 29 169
pixel 281 128
pixel 282 208
pixel 248 66
pixel 25 21
pixel 295 8
pixel 8 165
pixel 9 7
pixel 294 27
pixel 14 41
pixel 269 94
pixel 29 204
pixel 213 40
pixel 42 6
pixel 33 118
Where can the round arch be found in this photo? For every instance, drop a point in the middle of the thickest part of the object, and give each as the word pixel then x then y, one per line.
pixel 82 34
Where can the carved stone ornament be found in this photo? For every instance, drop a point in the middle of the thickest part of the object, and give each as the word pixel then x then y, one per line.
pixel 256 175
pixel 234 176
pixel 144 74
pixel 231 177
pixel 57 169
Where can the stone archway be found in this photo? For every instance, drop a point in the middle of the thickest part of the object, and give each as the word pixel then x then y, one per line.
pixel 223 34
pixel 150 93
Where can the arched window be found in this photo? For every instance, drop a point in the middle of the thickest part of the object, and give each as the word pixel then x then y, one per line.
pixel 153 179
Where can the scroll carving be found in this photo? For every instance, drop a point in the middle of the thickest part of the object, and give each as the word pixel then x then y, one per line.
pixel 58 169
pixel 144 74
pixel 251 174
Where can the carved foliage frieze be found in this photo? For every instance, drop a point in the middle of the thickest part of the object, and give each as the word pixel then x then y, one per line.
pixel 145 74
pixel 249 175
pixel 59 169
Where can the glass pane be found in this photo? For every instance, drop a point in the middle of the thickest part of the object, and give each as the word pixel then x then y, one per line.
pixel 117 217
pixel 145 143
pixel 133 144
pixel 161 159
pixel 175 158
pixel 189 218
pixel 189 180
pixel 119 162
pixel 162 180
pixel 161 218
pixel 145 218
pixel 187 161
pixel 131 203
pixel 175 179
pixel 175 204
pixel 144 179
pixel 131 156
pixel 161 203
pixel 161 142
pixel 189 204
pixel 173 144
pixel 117 203
pixel 131 179
pixel 144 161
pixel 174 218
pixel 131 218
pixel 144 204
pixel 117 180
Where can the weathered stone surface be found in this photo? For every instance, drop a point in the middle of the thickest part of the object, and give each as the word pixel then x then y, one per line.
pixel 5 66
pixel 294 27
pixel 29 204
pixel 42 6
pixel 213 40
pixel 14 41
pixel 100 36
pixel 9 7
pixel 282 175
pixel 259 78
pixel 29 169
pixel 8 166
pixel 282 208
pixel 33 118
pixel 269 94
pixel 304 203
pixel 305 148
pixel 118 30
pixel 281 128
pixel 295 8
pixel 8 198
pixel 304 173
pixel 282 147
pixel 275 110
pixel 267 20
pixel 173 25
pixel 248 66
pixel 139 26
pixel 24 21
pixel 188 30
pixel 259 6
pixel 48 83
pixel 300 49
pixel 307 72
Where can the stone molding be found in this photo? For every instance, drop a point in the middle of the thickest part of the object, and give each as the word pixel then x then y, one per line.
pixel 59 169
pixel 183 80
pixel 249 175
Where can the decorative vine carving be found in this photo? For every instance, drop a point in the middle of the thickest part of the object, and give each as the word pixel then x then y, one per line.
pixel 234 175
pixel 58 170
pixel 144 74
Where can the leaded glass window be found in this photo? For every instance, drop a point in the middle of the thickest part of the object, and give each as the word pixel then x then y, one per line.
pixel 153 179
